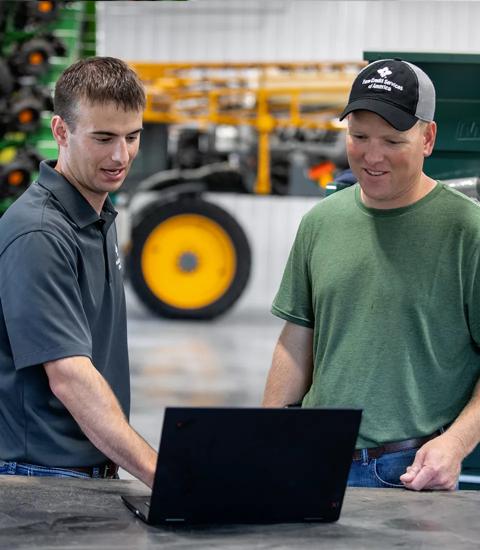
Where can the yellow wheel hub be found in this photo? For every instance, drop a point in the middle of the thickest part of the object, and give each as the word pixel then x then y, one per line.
pixel 188 261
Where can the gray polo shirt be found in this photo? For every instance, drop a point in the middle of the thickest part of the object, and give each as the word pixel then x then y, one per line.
pixel 61 295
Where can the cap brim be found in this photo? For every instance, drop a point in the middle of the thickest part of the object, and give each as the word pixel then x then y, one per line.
pixel 397 118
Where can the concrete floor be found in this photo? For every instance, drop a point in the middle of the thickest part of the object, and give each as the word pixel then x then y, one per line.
pixel 213 363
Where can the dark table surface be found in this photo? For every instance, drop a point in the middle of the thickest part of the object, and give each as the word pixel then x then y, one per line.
pixel 52 513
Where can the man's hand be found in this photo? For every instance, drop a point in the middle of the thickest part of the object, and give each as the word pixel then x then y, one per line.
pixel 437 465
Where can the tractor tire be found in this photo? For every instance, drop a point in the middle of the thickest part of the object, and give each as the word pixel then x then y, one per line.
pixel 189 259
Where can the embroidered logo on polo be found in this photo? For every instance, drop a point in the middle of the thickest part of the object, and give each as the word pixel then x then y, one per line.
pixel 118 261
pixel 382 83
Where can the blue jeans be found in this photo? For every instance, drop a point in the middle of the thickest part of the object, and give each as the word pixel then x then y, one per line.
pixel 384 471
pixel 22 469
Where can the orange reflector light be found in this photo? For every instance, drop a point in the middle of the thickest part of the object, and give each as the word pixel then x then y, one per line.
pixel 322 169
pixel 25 116
pixel 323 173
pixel 45 6
pixel 16 178
pixel 36 58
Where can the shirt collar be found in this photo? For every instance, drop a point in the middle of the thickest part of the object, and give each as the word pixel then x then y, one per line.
pixel 74 203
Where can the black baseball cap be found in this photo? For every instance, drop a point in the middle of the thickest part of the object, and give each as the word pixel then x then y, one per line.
pixel 397 90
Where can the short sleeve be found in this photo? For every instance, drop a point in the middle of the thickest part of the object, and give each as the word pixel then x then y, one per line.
pixel 293 301
pixel 42 301
pixel 472 297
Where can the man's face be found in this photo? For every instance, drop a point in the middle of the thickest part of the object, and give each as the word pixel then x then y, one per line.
pixel 388 163
pixel 97 153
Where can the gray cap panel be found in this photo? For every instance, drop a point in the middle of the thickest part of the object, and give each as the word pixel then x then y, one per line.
pixel 426 95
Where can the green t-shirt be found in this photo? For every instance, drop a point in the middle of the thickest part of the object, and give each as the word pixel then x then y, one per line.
pixel 393 297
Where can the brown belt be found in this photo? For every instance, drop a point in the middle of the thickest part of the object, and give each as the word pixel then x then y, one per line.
pixel 108 470
pixel 395 446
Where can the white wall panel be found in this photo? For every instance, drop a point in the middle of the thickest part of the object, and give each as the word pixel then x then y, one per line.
pixel 236 30
pixel 233 30
pixel 261 30
pixel 425 26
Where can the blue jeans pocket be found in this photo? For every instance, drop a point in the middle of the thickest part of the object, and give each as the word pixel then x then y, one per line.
pixel 45 471
pixel 389 468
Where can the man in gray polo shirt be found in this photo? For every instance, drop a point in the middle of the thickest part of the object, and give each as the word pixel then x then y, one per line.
pixel 64 376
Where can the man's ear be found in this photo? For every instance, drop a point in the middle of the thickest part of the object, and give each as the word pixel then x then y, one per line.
pixel 60 130
pixel 429 136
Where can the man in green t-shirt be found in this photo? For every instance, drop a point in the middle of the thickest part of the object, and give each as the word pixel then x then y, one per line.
pixel 381 295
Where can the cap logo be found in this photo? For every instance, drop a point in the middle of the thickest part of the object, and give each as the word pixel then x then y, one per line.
pixel 382 83
pixel 384 72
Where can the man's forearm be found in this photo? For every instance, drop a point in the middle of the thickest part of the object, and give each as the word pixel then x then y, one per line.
pixel 291 373
pixel 286 382
pixel 466 427
pixel 91 402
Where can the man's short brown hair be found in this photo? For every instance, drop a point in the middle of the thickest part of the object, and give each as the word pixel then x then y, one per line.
pixel 97 80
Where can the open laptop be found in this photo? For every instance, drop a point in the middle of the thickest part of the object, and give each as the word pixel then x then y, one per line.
pixel 250 465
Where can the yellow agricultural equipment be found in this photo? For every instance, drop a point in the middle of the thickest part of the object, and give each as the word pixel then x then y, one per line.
pixel 232 127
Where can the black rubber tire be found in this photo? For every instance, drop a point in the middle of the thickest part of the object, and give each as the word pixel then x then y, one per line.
pixel 159 213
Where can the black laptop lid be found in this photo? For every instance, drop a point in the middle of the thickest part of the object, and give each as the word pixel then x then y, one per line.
pixel 253 465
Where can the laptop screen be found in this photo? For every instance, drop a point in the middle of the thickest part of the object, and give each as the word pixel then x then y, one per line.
pixel 253 464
